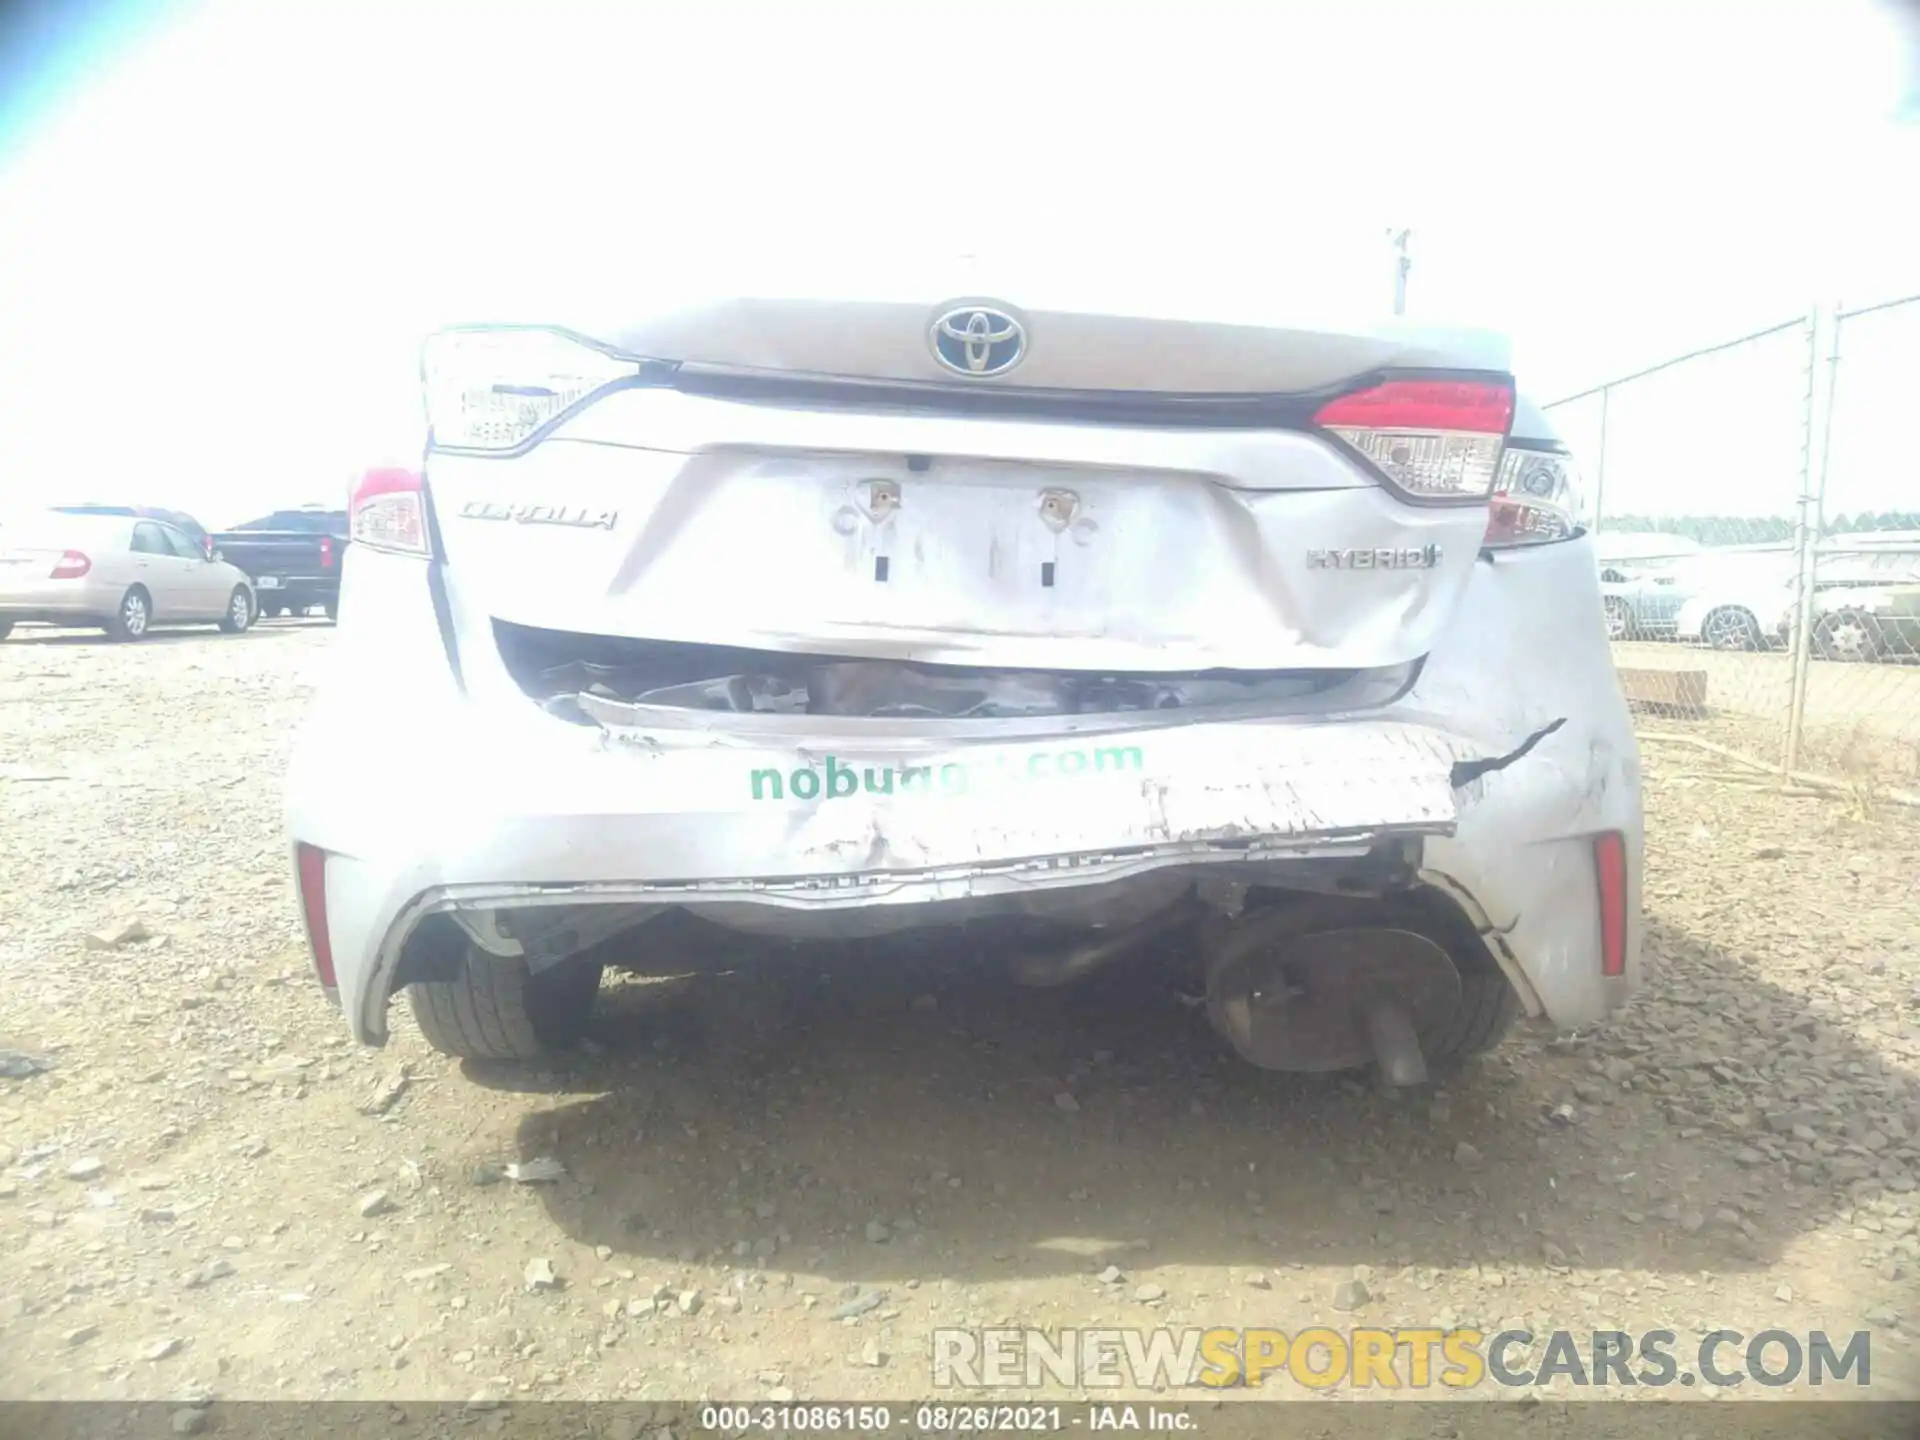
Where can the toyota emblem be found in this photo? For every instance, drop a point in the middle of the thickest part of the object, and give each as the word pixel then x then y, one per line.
pixel 978 340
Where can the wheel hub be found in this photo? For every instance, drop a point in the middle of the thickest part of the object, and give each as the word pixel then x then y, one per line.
pixel 1300 1002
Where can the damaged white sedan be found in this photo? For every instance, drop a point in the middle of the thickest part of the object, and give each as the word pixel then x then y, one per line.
pixel 1276 654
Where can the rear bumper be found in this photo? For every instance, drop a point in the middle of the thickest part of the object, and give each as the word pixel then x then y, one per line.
pixel 480 800
pixel 295 590
pixel 58 601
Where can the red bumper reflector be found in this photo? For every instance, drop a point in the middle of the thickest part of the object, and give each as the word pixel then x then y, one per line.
pixel 311 864
pixel 1610 869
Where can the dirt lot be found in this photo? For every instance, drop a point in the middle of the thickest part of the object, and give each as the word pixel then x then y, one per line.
pixel 193 1196
pixel 1861 721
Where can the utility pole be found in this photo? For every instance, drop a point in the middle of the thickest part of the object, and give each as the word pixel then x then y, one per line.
pixel 1816 434
pixel 1402 263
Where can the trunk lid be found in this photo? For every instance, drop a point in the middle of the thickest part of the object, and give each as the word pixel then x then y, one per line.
pixel 1190 351
pixel 1136 493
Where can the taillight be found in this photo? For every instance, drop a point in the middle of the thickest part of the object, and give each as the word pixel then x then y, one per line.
pixel 1610 871
pixel 1432 439
pixel 310 864
pixel 494 388
pixel 70 566
pixel 326 552
pixel 1537 498
pixel 388 512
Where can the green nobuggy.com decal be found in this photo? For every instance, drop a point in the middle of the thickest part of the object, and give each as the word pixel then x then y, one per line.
pixel 837 779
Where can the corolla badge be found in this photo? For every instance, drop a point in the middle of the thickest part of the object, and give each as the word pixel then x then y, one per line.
pixel 978 340
pixel 579 516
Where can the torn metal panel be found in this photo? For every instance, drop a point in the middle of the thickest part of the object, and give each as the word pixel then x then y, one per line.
pixel 565 671
pixel 1285 700
pixel 1465 772
pixel 850 801
pixel 1078 892
pixel 887 690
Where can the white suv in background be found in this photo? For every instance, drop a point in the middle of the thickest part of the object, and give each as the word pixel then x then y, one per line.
pixel 1276 653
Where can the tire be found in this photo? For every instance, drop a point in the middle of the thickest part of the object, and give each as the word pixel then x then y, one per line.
pixel 271 612
pixel 497 1010
pixel 134 617
pixel 1619 618
pixel 6 628
pixel 333 610
pixel 1731 628
pixel 1848 636
pixel 1487 1009
pixel 239 614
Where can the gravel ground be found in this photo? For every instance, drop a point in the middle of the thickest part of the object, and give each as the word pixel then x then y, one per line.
pixel 1861 723
pixel 210 1189
pixel 1882 697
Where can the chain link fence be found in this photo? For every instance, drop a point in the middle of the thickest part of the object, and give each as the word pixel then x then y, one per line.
pixel 1757 527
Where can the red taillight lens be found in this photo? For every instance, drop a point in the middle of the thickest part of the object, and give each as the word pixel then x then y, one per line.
pixel 388 511
pixel 1432 439
pixel 326 552
pixel 310 864
pixel 70 566
pixel 206 546
pixel 1610 869
pixel 1482 406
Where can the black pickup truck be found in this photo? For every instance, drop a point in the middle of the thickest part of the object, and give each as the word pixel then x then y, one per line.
pixel 292 556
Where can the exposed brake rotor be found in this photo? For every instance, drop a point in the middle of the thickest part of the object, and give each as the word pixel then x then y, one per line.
pixel 1289 1001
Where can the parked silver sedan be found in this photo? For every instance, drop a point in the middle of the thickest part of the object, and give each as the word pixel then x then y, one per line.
pixel 1642 599
pixel 123 574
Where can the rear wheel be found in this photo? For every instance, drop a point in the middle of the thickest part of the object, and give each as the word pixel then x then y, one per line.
pixel 239 614
pixel 1849 635
pixel 271 612
pixel 1487 1008
pixel 6 628
pixel 1731 628
pixel 131 620
pixel 496 1009
pixel 1290 987
pixel 333 609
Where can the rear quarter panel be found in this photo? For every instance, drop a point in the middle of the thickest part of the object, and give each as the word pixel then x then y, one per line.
pixel 112 575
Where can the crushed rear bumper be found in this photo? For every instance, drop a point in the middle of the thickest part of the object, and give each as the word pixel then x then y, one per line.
pixel 1510 752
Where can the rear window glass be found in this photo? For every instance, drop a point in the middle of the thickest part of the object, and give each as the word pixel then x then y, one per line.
pixel 56 531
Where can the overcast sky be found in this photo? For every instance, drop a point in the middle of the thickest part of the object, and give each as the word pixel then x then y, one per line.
pixel 224 226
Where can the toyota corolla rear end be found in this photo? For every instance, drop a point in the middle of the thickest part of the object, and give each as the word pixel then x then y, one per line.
pixel 1278 652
